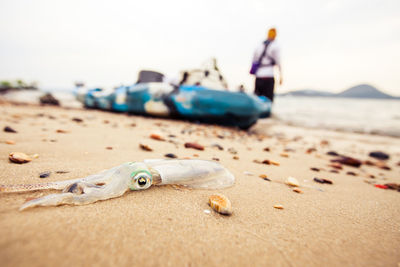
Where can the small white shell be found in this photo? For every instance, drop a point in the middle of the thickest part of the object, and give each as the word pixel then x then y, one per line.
pixel 291 181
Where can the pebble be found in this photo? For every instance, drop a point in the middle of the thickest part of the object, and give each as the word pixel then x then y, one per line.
pixel 220 204
pixel 217 146
pixel 336 165
pixel 291 181
pixel 310 150
pixel 285 155
pixel 333 153
pixel 170 155
pixel 194 146
pixel 232 150
pixel 216 159
pixel 157 137
pixel 264 177
pixel 76 119
pixel 393 186
pixel 235 157
pixel 62 172
pixel 278 206
pixel 44 174
pixel 351 173
pixel 19 157
pixel 297 190
pixel 348 161
pixel 334 171
pixel 61 131
pixel 8 129
pixel 268 162
pixel 322 180
pixel 35 156
pixel 10 142
pixel 145 147
pixel 109 147
pixel 315 169
pixel 379 155
pixel 248 173
pixel 267 149
pixel 207 211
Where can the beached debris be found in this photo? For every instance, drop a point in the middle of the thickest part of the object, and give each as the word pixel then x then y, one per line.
pixel 379 155
pixel 8 129
pixel 156 136
pixel 44 174
pixel 268 162
pixel 348 161
pixel 333 153
pixel 278 206
pixel 62 172
pixel 232 151
pixel 145 147
pixel 393 186
pixel 9 142
pixel 215 145
pixel 297 190
pixel 310 150
pixel 314 169
pixel 19 157
pixel 336 165
pixel 220 204
pixel 351 173
pixel 170 155
pixel 324 143
pixel 194 146
pixel 264 177
pixel 381 186
pixel 49 99
pixel 76 119
pixel 291 181
pixel 322 180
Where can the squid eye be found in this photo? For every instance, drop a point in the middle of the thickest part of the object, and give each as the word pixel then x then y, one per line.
pixel 142 181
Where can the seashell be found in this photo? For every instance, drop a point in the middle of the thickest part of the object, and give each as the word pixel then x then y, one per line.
pixel 278 206
pixel 291 181
pixel 220 204
pixel 297 190
pixel 194 145
pixel 157 137
pixel 145 147
pixel 19 157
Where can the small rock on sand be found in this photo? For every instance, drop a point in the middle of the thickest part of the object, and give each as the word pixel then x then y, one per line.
pixel 194 146
pixel 19 157
pixel 220 204
pixel 8 129
pixel 278 206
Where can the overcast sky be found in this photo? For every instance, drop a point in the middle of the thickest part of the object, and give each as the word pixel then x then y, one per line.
pixel 326 45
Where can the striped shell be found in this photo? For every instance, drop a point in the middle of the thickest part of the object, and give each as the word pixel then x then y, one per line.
pixel 220 204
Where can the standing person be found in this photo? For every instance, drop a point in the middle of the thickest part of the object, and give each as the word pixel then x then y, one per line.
pixel 266 59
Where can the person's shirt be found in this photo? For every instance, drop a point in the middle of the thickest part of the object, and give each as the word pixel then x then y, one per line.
pixel 266 70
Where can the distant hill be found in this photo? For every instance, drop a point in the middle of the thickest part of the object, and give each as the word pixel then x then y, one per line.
pixel 363 91
pixel 359 91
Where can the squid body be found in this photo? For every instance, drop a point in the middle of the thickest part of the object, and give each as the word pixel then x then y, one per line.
pixel 115 182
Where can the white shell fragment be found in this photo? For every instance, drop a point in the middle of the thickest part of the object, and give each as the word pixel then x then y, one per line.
pixel 291 181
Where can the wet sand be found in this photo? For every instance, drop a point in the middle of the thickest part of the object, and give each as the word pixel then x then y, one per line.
pixel 348 223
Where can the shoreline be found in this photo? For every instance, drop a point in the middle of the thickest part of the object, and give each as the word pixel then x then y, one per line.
pixel 349 222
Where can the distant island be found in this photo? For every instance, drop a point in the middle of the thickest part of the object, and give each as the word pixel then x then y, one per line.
pixel 359 91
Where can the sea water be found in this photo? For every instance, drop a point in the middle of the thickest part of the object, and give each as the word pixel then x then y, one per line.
pixel 372 116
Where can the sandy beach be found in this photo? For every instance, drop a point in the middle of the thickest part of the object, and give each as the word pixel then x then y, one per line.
pixel 348 223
